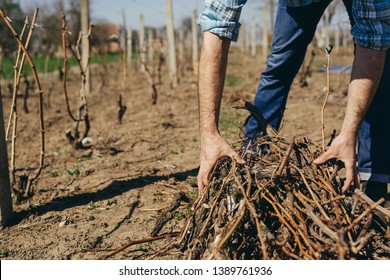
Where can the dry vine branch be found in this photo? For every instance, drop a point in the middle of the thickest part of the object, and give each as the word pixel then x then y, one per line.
pixel 328 50
pixel 82 113
pixel 13 117
pixel 306 72
pixel 65 45
pixel 122 108
pixel 18 67
pixel 148 73
pixel 128 244
pixel 263 125
pixel 23 47
pixel 26 94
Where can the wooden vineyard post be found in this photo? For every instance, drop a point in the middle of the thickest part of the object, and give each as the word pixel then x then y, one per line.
pixel 129 46
pixel 5 187
pixel 244 39
pixel 195 44
pixel 345 38
pixel 265 31
pixel 253 37
pixel 171 45
pixel 85 42
pixel 150 46
pixel 141 38
pixel 181 54
pixel 337 39
pixel 272 16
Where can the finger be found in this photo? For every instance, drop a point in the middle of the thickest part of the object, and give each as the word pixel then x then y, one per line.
pixel 237 158
pixel 357 179
pixel 203 178
pixel 347 184
pixel 200 184
pixel 324 157
pixel 350 177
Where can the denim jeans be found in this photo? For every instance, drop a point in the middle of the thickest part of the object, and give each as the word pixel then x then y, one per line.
pixel 294 30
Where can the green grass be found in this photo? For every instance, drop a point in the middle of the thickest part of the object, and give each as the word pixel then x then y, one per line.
pixel 74 171
pixel 180 215
pixel 229 121
pixel 233 81
pixel 92 206
pixel 4 253
pixel 53 65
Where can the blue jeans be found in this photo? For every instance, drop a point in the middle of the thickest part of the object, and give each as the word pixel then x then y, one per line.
pixel 294 30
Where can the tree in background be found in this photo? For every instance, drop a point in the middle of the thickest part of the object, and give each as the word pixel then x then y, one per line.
pixel 13 10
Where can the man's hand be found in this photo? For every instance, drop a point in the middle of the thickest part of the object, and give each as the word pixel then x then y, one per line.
pixel 343 149
pixel 213 147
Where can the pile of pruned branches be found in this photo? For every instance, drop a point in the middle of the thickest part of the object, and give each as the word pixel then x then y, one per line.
pixel 282 206
pixel 279 205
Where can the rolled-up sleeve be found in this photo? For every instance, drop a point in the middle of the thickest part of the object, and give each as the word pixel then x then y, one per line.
pixel 372 24
pixel 221 17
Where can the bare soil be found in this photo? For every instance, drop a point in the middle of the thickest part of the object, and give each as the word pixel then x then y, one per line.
pixel 113 192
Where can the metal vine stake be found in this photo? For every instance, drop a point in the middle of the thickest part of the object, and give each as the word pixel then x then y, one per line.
pixel 82 113
pixel 25 183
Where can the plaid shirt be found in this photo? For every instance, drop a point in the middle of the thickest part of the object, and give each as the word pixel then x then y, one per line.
pixel 372 28
pixel 372 18
pixel 221 17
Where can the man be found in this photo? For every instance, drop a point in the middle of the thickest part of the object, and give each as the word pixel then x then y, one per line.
pixel 294 28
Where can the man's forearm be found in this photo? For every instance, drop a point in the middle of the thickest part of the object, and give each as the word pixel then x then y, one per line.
pixel 212 71
pixel 366 74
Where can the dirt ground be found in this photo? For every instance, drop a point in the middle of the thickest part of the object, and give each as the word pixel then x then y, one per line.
pixel 110 194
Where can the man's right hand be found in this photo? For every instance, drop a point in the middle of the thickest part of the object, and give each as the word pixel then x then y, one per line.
pixel 213 148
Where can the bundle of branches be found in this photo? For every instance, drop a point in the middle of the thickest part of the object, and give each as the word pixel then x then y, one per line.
pixel 281 206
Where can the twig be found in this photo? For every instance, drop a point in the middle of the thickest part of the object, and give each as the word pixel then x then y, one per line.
pixel 370 202
pixel 333 235
pixel 311 192
pixel 263 125
pixel 65 45
pixel 150 78
pixel 285 158
pixel 332 137
pixel 26 93
pixel 121 109
pixel 307 71
pixel 365 213
pixel 167 215
pixel 327 66
pixel 135 242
